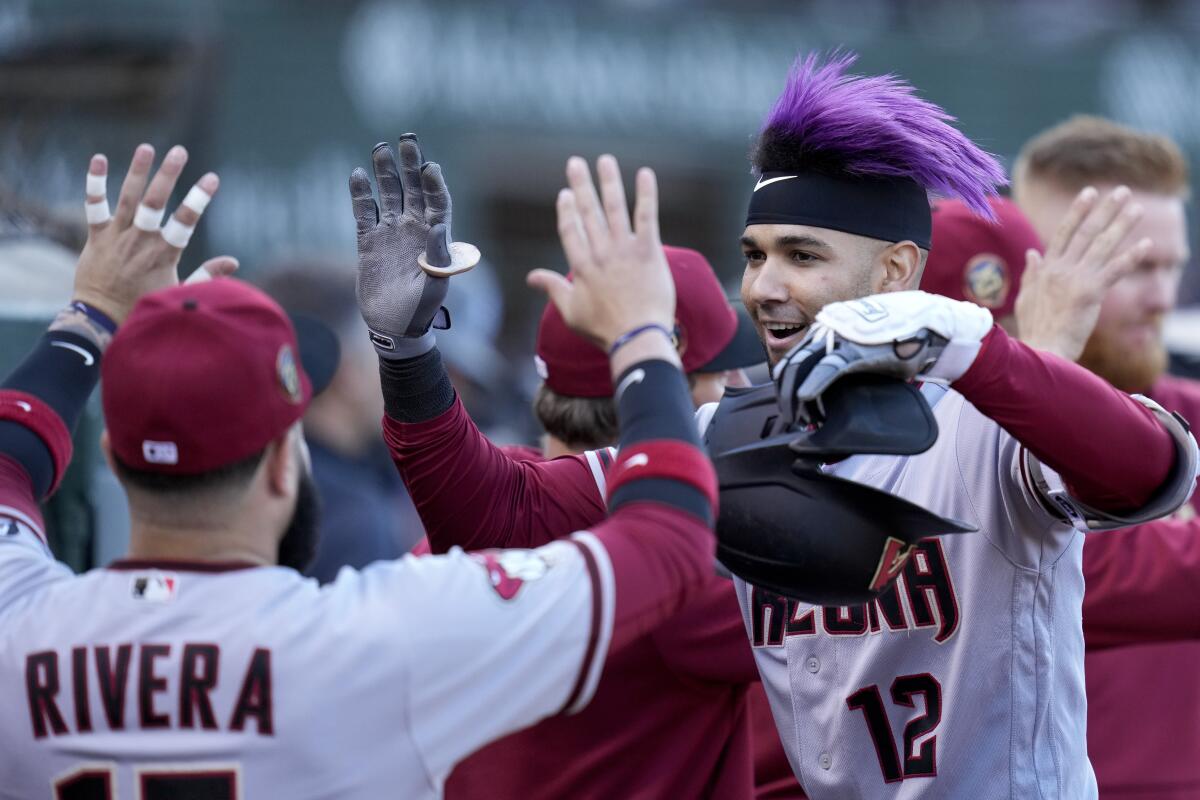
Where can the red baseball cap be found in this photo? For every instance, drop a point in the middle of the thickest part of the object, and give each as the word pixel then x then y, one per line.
pixel 706 327
pixel 977 260
pixel 201 376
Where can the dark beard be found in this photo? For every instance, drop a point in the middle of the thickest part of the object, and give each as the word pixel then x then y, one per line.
pixel 298 547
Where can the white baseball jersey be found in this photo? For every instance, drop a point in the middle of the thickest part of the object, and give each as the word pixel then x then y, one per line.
pixel 157 681
pixel 965 679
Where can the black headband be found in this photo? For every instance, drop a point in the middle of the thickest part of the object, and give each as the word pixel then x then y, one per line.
pixel 890 209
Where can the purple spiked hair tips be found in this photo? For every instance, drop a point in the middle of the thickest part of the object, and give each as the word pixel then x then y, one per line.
pixel 826 120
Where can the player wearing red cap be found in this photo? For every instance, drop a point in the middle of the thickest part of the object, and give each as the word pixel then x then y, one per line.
pixel 1139 614
pixel 204 665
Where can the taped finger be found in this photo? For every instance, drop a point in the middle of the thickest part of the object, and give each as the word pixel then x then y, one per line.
pixel 176 234
pixel 97 212
pixel 96 207
pixel 193 205
pixel 147 219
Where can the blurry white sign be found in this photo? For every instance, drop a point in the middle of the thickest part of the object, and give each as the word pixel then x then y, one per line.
pixel 548 65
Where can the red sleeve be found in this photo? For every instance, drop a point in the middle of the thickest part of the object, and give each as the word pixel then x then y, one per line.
pixel 660 557
pixel 1072 421
pixel 1143 584
pixel 16 496
pixel 470 493
pixel 707 640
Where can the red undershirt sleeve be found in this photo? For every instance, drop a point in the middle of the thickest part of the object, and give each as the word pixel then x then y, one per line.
pixel 1072 421
pixel 471 494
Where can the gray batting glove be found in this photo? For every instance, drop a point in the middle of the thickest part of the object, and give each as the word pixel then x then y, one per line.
pixel 398 300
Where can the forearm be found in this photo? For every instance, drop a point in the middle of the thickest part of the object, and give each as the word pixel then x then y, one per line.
pixel 662 500
pixel 1072 421
pixel 467 491
pixel 1143 584
pixel 42 400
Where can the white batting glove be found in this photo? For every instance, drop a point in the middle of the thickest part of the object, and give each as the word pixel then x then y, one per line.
pixel 902 334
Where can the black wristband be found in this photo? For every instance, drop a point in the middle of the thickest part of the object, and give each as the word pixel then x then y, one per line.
pixel 415 389
pixel 653 402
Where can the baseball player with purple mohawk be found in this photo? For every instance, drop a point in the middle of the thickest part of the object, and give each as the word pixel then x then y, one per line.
pixel 964 677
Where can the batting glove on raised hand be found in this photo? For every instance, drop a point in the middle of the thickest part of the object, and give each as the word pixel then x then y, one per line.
pixel 397 298
pixel 903 334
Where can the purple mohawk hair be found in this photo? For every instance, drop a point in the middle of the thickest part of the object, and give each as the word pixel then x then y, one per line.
pixel 828 121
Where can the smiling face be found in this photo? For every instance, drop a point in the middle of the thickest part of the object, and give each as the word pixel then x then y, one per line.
pixel 793 271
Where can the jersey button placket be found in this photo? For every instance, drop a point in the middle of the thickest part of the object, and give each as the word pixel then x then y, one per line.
pixel 813 664
pixel 825 760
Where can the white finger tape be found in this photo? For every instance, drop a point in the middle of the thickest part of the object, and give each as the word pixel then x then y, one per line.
pixel 97 185
pixel 177 234
pixel 97 212
pixel 197 199
pixel 147 219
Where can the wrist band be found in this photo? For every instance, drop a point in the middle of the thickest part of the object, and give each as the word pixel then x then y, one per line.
pixel 625 338
pixel 95 315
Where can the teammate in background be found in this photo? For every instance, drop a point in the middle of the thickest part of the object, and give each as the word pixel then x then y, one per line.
pixel 1140 628
pixel 980 260
pixel 689 678
pixel 366 514
pixel 205 665
pixel 573 404
pixel 840 211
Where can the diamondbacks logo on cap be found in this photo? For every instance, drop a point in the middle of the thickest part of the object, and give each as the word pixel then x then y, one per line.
pixel 986 280
pixel 160 452
pixel 153 587
pixel 289 376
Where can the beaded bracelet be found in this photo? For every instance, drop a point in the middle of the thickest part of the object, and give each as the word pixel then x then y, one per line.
pixel 625 338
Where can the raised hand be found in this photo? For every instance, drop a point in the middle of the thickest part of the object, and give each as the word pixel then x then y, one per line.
pixel 131 253
pixel 620 278
pixel 1062 291
pixel 397 298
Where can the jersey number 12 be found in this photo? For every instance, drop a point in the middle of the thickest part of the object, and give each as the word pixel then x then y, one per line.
pixel 920 740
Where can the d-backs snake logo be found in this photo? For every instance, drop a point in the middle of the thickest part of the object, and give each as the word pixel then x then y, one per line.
pixel 923 596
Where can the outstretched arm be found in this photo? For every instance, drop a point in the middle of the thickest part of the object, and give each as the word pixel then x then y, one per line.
pixel 1068 418
pixel 467 491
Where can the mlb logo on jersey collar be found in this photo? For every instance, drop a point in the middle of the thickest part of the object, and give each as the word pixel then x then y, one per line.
pixel 153 587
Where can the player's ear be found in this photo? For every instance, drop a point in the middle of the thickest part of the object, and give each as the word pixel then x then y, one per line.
pixel 283 465
pixel 902 263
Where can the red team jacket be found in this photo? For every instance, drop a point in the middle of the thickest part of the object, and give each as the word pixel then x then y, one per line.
pixel 1143 584
pixel 695 673
pixel 670 709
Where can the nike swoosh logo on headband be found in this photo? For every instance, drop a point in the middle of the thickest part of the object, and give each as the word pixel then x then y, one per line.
pixel 761 183
pixel 87 357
